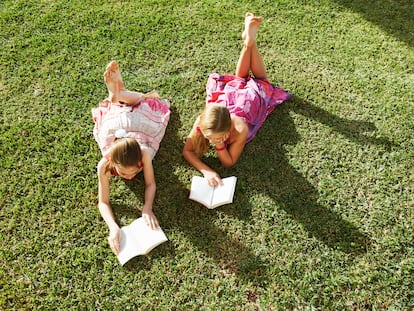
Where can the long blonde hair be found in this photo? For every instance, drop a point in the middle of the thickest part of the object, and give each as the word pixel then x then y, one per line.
pixel 214 119
pixel 124 152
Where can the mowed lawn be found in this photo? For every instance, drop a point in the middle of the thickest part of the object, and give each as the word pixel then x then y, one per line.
pixel 323 212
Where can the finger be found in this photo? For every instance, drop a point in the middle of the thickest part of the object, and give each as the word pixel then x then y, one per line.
pixel 116 247
pixel 154 223
pixel 114 244
pixel 147 220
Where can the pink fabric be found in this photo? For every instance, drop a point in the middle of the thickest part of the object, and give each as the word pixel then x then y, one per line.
pixel 145 121
pixel 250 99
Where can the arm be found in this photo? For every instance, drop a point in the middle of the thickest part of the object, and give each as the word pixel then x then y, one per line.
pixel 212 177
pixel 150 188
pixel 105 209
pixel 229 156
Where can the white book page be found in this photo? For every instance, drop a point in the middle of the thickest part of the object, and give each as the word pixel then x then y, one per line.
pixel 201 191
pixel 224 193
pixel 139 239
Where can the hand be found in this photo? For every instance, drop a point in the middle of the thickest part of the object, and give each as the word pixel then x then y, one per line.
pixel 213 178
pixel 114 240
pixel 149 218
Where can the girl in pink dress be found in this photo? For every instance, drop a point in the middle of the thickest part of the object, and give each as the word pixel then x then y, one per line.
pixel 129 127
pixel 236 107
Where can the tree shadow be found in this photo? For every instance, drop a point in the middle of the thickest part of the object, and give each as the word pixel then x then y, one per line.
pixel 395 16
pixel 360 132
pixel 289 188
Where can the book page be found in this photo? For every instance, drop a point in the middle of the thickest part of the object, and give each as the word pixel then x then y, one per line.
pixel 146 237
pixel 139 239
pixel 129 245
pixel 223 194
pixel 201 191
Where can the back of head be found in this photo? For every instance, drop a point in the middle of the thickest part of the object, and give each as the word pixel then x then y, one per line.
pixel 125 152
pixel 214 119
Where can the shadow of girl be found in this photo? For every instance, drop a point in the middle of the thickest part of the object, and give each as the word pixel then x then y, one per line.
pixel 264 166
pixel 175 211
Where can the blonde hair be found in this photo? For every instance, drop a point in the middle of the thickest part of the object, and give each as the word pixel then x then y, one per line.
pixel 214 119
pixel 124 152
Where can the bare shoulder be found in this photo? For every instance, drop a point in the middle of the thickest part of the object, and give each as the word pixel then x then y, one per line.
pixel 240 128
pixel 146 155
pixel 102 165
pixel 194 128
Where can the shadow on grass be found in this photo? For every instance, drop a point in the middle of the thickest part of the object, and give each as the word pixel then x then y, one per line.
pixel 357 131
pixel 265 168
pixel 394 16
pixel 175 210
pixel 289 188
pixel 280 181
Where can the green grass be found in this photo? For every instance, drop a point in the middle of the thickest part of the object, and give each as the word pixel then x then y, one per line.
pixel 323 213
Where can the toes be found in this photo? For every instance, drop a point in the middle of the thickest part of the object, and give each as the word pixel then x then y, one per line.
pixel 112 66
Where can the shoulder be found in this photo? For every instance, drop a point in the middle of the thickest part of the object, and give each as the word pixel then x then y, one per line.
pixel 146 155
pixel 196 123
pixel 239 125
pixel 194 128
pixel 102 166
pixel 239 131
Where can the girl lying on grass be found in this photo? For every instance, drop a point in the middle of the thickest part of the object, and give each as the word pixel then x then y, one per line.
pixel 129 127
pixel 236 107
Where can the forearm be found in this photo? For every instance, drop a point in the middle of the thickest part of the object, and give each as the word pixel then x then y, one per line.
pixel 107 215
pixel 149 196
pixel 196 162
pixel 224 155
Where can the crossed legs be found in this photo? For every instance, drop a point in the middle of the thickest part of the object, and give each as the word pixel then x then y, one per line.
pixel 116 89
pixel 250 58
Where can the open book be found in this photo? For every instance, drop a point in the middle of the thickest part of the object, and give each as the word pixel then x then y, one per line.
pixel 139 239
pixel 210 196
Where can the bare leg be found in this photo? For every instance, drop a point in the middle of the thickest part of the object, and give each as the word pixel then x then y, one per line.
pixel 131 97
pixel 116 89
pixel 250 58
pixel 111 78
pixel 256 63
pixel 243 65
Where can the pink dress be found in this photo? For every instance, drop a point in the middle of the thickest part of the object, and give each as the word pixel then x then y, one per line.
pixel 146 121
pixel 251 99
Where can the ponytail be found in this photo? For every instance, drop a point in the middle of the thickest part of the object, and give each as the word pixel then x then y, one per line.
pixel 200 143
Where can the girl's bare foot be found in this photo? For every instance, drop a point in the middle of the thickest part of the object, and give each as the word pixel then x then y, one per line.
pixel 112 78
pixel 116 73
pixel 251 27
